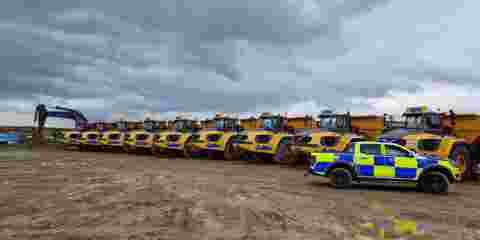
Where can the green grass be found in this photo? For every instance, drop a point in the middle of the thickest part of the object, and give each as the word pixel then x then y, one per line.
pixel 15 152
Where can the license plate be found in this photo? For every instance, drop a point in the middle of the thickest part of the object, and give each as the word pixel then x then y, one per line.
pixel 114 142
pixel 92 141
pixel 173 145
pixel 140 143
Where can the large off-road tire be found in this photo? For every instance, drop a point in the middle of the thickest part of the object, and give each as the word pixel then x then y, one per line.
pixel 231 151
pixel 157 152
pixel 434 182
pixel 462 158
pixel 340 178
pixel 213 155
pixel 127 149
pixel 188 149
pixel 285 154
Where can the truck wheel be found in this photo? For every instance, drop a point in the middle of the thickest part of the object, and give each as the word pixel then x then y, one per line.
pixel 462 159
pixel 127 149
pixel 157 152
pixel 285 154
pixel 188 149
pixel 231 151
pixel 340 178
pixel 434 182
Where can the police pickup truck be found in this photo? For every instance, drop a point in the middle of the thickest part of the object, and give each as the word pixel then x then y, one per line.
pixel 384 163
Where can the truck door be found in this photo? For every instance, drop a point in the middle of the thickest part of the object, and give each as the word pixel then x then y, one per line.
pixel 365 159
pixel 405 164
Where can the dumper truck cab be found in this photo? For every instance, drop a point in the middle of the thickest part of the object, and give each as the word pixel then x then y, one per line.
pixel 72 138
pixel 385 163
pixel 113 136
pixel 268 141
pixel 334 134
pixel 91 136
pixel 179 139
pixel 220 138
pixel 421 129
pixel 142 135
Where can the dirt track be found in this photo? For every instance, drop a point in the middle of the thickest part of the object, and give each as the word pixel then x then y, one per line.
pixel 72 195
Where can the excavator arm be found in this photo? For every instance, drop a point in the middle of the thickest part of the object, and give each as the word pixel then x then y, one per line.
pixel 42 113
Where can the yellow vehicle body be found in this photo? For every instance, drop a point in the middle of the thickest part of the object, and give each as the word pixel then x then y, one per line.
pixel 218 144
pixel 368 126
pixel 72 138
pixel 269 147
pixel 335 132
pixel 429 132
pixel 90 139
pixel 326 141
pixel 137 140
pixel 112 139
pixel 172 141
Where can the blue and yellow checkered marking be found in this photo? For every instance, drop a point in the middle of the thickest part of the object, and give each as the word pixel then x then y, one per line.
pixel 375 166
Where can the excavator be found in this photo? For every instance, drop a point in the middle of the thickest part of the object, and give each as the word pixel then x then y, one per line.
pixel 42 112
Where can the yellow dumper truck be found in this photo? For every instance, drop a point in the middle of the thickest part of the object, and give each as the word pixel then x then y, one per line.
pixel 219 138
pixel 445 135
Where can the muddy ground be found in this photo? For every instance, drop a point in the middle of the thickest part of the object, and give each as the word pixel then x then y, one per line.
pixel 57 194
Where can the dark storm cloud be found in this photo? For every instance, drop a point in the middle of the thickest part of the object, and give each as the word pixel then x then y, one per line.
pixel 185 55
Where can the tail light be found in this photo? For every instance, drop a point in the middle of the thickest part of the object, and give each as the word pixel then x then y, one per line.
pixel 403 142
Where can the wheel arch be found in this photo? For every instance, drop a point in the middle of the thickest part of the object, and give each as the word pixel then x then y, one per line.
pixel 341 165
pixel 229 138
pixel 441 169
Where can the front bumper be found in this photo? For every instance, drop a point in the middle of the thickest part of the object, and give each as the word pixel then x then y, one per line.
pixel 91 143
pixel 72 142
pixel 212 146
pixel 256 148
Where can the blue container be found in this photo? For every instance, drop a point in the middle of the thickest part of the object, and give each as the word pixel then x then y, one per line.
pixel 9 138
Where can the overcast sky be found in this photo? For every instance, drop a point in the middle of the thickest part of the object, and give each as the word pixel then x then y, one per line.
pixel 160 57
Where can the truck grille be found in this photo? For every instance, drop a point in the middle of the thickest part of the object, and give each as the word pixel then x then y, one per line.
pixel 92 136
pixel 263 138
pixel 142 137
pixel 173 138
pixel 213 137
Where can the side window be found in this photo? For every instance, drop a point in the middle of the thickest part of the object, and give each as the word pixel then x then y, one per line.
pixel 396 151
pixel 371 149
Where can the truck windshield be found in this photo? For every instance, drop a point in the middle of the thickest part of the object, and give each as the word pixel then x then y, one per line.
pixel 183 124
pixel 422 121
pixel 222 124
pixel 328 122
pixel 148 125
pixel 271 123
